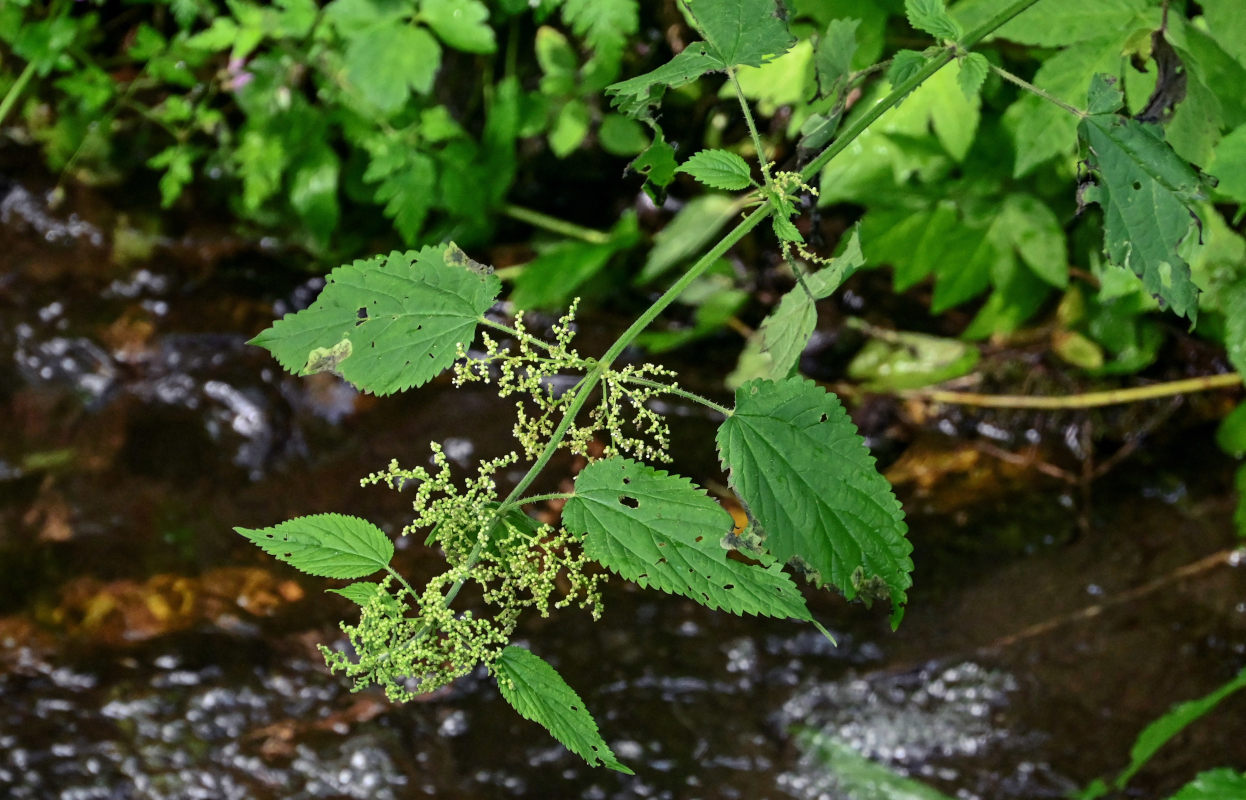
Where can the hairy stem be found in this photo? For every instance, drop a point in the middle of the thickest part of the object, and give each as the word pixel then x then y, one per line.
pixel 544 498
pixel 758 145
pixel 1109 397
pixel 667 388
pixel 555 225
pixel 1034 90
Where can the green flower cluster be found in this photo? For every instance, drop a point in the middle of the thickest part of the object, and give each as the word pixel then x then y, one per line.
pixel 411 643
pixel 530 371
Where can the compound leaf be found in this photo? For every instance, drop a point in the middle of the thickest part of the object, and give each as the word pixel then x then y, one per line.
pixel 326 545
pixel 931 16
pixel 804 472
pixel 718 169
pixel 605 24
pixel 462 24
pixel 660 530
pixel 387 323
pixel 1146 192
pixel 538 693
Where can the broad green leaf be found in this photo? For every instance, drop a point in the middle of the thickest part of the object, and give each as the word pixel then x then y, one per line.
pixel 1216 784
pixel 898 360
pixel 462 24
pixel 621 136
pixel 657 164
pixel 326 545
pixel 660 530
pixel 387 62
pixel 1159 732
pixel 1042 130
pixel 558 62
pixel 742 32
pixel 809 481
pixel 788 80
pixel 1146 192
pixel 785 331
pixel 636 96
pixel 569 129
pixel 538 693
pixel 718 169
pixel 548 280
pixel 360 593
pixel 697 223
pixel 1032 228
pixel 1229 165
pixel 931 16
pixel 408 194
pixel 933 242
pixel 313 191
pixel 385 324
pixel 833 58
pixel 737 32
pixel 1226 22
pixel 974 68
pixel 605 24
pixel 1056 23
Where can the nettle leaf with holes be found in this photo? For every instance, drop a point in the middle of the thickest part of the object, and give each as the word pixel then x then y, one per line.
pixel 817 505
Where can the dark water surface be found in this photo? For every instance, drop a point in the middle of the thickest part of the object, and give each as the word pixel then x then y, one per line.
pixel 146 651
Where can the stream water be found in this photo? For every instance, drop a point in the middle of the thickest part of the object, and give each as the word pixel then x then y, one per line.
pixel 146 651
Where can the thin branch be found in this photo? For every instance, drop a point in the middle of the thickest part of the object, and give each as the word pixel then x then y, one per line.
pixel 1110 397
pixel 1043 93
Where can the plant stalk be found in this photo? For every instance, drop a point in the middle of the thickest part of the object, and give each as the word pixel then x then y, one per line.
pixel 15 91
pixel 546 222
pixel 1108 397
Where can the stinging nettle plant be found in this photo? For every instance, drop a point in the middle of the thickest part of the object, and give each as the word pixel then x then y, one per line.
pixel 816 503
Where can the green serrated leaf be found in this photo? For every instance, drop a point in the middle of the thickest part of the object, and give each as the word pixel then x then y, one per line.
pixel 904 65
pixel 636 97
pixel 836 48
pixel 742 32
pixel 360 593
pixel 1033 229
pixel 536 690
pixel 326 545
pixel 1041 130
pixel 605 24
pixel 660 530
pixel 809 481
pixel 974 68
pixel 385 63
pixel 785 331
pixel 462 24
pixel 404 316
pixel 408 194
pixel 718 169
pixel 1147 193
pixel 931 16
